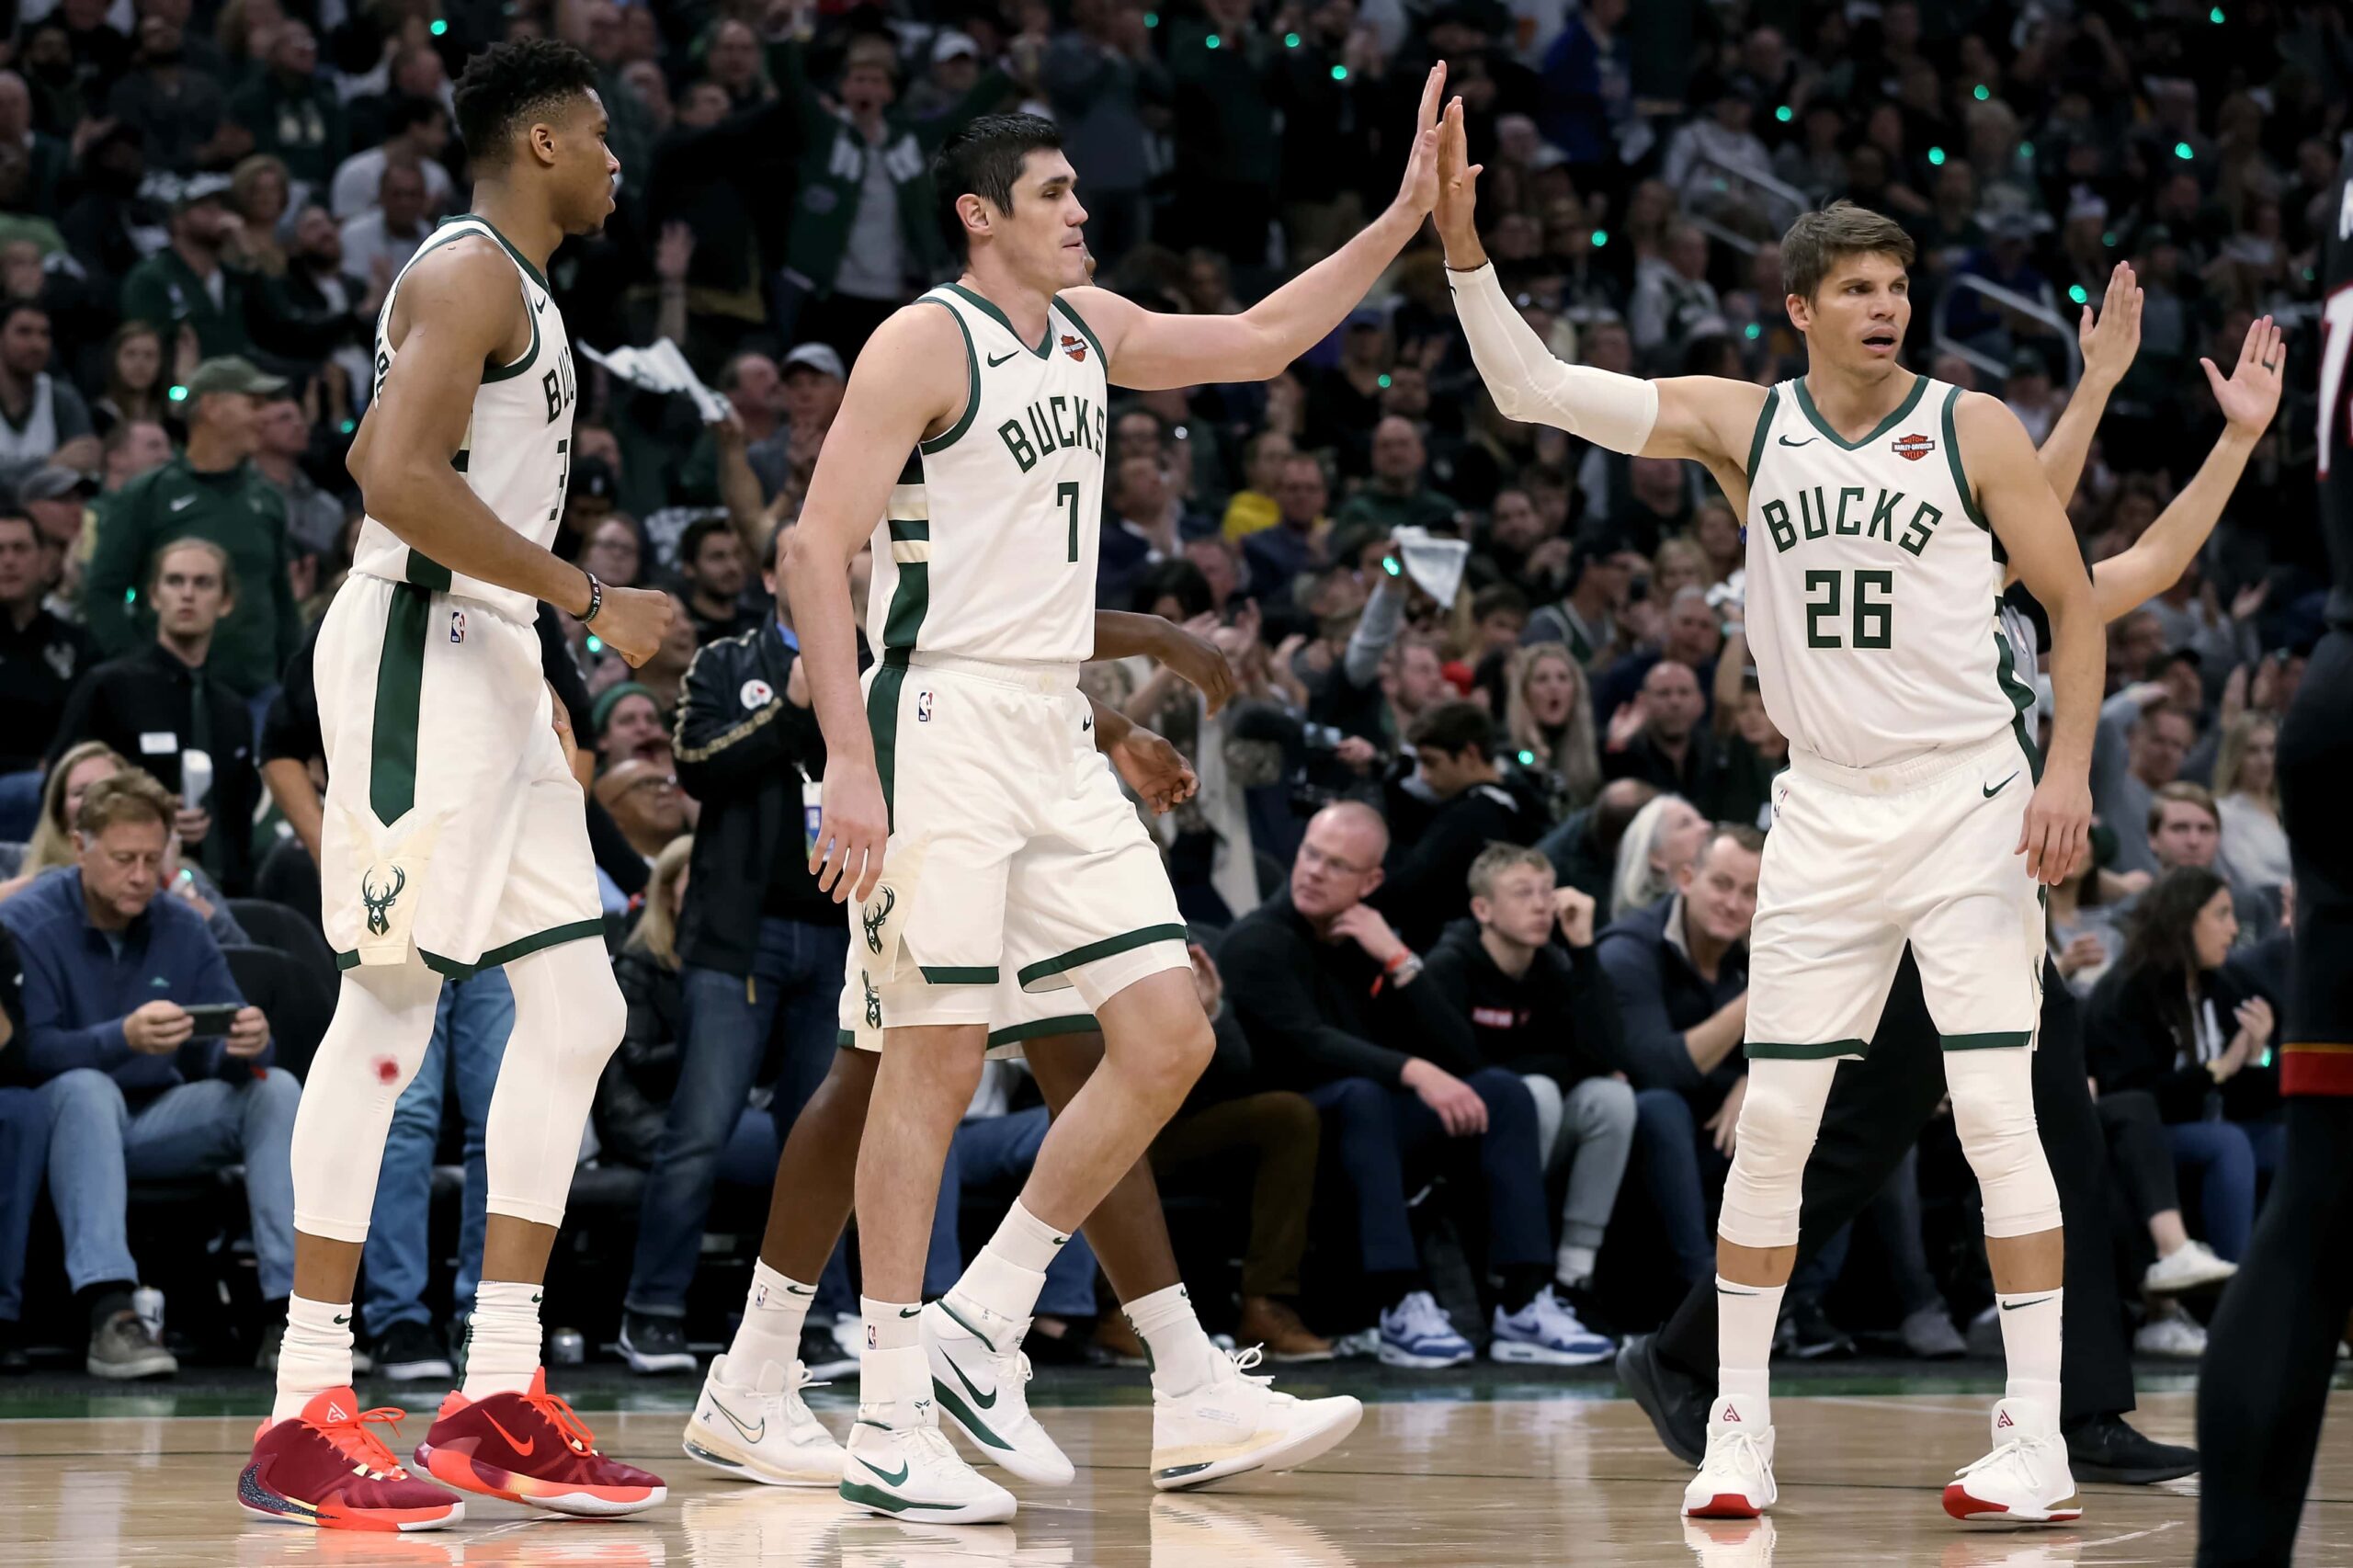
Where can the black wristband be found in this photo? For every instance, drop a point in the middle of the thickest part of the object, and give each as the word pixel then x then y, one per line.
pixel 595 597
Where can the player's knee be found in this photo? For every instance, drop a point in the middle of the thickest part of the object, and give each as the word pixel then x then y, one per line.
pixel 1993 1113
pixel 1778 1118
pixel 1175 1062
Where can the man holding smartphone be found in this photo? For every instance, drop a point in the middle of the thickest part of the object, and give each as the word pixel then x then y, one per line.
pixel 149 1062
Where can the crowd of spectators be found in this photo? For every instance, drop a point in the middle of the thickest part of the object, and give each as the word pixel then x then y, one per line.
pixel 1471 881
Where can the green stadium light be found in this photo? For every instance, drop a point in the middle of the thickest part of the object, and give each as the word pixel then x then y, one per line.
pixel 2076 292
pixel 438 27
pixel 1600 238
pixel 1389 564
pixel 1210 40
pixel 1384 383
pixel 1290 41
pixel 2108 238
pixel 2215 16
pixel 1526 758
pixel 177 394
pixel 349 425
pixel 1785 114
pixel 2181 150
pixel 2025 151
pixel 130 595
pixel 596 643
pixel 1339 73
pixel 1982 93
pixel 1937 157
pixel 1152 18
pixel 1752 332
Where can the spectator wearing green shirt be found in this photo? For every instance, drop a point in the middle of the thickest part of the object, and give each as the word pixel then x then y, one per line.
pixel 292 111
pixel 211 491
pixel 1398 495
pixel 188 282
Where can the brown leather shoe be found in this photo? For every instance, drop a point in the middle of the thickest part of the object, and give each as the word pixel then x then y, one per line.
pixel 1117 1339
pixel 1273 1324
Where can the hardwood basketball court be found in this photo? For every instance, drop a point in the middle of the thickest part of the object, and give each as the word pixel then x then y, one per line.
pixel 1531 1475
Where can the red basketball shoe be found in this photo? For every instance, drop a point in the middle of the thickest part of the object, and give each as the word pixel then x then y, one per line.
pixel 529 1448
pixel 327 1470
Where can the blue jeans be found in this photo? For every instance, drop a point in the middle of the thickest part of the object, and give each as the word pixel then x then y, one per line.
pixel 997 1152
pixel 794 990
pixel 23 1151
pixel 2226 1157
pixel 19 805
pixel 470 1034
pixel 1373 1130
pixel 97 1146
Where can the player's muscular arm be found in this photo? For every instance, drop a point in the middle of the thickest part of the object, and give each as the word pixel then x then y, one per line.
pixel 2109 345
pixel 908 383
pixel 2033 528
pixel 1120 634
pixel 460 309
pixel 1149 352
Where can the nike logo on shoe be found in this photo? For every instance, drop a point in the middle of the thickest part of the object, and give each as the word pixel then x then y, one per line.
pixel 751 1435
pixel 1994 789
pixel 521 1447
pixel 1807 442
pixel 898 1479
pixel 985 1401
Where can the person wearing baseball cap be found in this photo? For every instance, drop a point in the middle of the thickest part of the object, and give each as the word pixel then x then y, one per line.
pixel 175 287
pixel 212 492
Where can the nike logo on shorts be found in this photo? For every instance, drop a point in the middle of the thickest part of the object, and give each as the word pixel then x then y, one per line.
pixel 1994 789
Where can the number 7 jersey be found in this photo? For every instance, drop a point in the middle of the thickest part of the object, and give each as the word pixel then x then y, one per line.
pixel 989 549
pixel 1873 584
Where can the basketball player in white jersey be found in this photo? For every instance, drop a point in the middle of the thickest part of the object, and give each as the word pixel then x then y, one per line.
pixel 1010 850
pixel 1882 508
pixel 454 837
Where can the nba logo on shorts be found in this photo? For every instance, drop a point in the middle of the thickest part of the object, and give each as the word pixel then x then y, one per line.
pixel 457 626
pixel 923 708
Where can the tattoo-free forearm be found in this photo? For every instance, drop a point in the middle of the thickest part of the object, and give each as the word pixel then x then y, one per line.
pixel 1303 312
pixel 2157 559
pixel 429 507
pixel 2069 445
pixel 818 586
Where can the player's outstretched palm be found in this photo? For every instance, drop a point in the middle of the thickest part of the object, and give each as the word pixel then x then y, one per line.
pixel 1458 182
pixel 2250 396
pixel 2058 827
pixel 1419 192
pixel 2110 343
pixel 631 623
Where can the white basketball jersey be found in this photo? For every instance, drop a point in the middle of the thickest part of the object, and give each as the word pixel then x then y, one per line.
pixel 990 546
pixel 517 452
pixel 1873 583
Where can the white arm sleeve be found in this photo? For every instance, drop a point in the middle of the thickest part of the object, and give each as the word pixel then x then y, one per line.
pixel 1531 386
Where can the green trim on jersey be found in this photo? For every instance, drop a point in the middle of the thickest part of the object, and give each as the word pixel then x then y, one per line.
pixel 530 271
pixel 910 602
pixel 1764 426
pixel 1086 332
pixel 1068 1023
pixel 1998 1041
pixel 508 372
pixel 883 721
pixel 490 372
pixel 947 437
pixel 910 530
pixel 1767 1050
pixel 1102 950
pixel 1045 344
pixel 400 697
pixel 1902 410
pixel 1960 474
pixel 2006 676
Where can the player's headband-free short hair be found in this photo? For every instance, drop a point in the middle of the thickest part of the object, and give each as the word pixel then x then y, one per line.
pixel 509 84
pixel 985 159
pixel 1817 240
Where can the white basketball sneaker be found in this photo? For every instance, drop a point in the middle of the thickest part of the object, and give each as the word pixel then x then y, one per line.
pixel 1235 1423
pixel 983 1393
pixel 1735 1479
pixel 2025 1480
pixel 762 1431
pixel 913 1473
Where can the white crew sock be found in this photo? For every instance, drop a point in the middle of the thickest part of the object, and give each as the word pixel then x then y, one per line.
pixel 1746 1316
pixel 502 1338
pixel 1181 1356
pixel 2031 1323
pixel 774 1309
pixel 315 1355
pixel 1004 1280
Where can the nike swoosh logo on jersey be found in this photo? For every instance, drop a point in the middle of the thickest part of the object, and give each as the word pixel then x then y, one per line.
pixel 898 1479
pixel 1994 789
pixel 1001 358
pixel 750 1434
pixel 986 1400
pixel 520 1448
pixel 1807 442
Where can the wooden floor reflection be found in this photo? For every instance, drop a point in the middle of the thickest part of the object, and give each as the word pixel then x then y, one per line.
pixel 1437 1485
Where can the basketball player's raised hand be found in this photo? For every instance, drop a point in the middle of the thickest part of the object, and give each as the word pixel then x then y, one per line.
pixel 2110 343
pixel 1419 192
pixel 1457 189
pixel 2058 828
pixel 2251 394
pixel 631 623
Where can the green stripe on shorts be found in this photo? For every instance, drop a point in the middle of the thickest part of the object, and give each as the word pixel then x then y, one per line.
pixel 1769 1050
pixel 1037 1029
pixel 1102 950
pixel 400 695
pixel 2000 1039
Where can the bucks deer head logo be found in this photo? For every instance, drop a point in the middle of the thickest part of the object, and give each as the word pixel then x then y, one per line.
pixel 873 914
pixel 379 904
pixel 873 1002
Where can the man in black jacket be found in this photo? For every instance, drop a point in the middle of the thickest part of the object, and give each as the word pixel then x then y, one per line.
pixel 1330 998
pixel 762 950
pixel 1546 1011
pixel 1424 883
pixel 160 707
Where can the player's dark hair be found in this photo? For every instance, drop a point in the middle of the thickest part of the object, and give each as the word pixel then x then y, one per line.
pixel 1454 728
pixel 1817 240
pixel 985 159
pixel 507 84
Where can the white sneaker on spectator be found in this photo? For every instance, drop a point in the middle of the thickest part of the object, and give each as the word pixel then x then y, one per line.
pixel 2171 1333
pixel 762 1431
pixel 2188 1267
pixel 1417 1333
pixel 1547 1333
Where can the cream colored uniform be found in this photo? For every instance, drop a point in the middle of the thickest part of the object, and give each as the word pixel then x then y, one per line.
pixel 1873 584
pixel 1014 857
pixel 454 832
